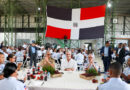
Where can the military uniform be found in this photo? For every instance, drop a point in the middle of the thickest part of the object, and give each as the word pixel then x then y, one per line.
pixel 43 62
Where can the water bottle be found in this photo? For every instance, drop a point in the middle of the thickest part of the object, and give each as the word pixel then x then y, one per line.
pixel 48 74
pixel 106 75
pixel 28 75
pixel 99 70
pixel 45 78
pixel 38 69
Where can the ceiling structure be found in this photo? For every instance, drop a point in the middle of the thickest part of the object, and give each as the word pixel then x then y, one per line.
pixel 119 7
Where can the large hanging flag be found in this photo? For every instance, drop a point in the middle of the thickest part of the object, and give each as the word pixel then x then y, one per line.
pixel 80 23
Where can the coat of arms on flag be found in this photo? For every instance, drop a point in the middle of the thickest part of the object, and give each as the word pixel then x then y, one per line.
pixel 80 23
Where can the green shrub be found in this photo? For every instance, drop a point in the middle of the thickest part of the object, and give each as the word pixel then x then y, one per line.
pixel 49 69
pixel 92 72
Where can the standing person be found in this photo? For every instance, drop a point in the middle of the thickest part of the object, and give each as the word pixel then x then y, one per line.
pixel 1 45
pixel 120 53
pixel 115 82
pixel 106 55
pixel 10 81
pixel 33 54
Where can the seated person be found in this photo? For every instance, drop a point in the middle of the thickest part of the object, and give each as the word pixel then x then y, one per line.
pixel 127 57
pixel 48 60
pixel 115 82
pixel 10 81
pixel 12 58
pixel 68 64
pixel 2 65
pixel 90 63
pixel 19 55
pixel 126 72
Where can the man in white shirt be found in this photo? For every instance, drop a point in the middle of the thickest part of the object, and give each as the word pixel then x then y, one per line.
pixel 91 63
pixel 9 51
pixel 64 55
pixel 1 50
pixel 24 45
pixel 79 58
pixel 10 81
pixel 68 64
pixel 127 57
pixel 115 82
pixel 2 65
pixel 126 72
pixel 43 51
pixel 126 47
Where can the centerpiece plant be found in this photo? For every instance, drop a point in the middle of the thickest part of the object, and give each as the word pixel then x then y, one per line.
pixel 49 69
pixel 91 72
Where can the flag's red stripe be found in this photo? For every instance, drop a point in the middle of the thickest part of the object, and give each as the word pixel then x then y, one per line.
pixel 55 32
pixel 92 12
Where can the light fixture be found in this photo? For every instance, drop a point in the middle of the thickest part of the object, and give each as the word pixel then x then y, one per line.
pixel 39 8
pixel 109 4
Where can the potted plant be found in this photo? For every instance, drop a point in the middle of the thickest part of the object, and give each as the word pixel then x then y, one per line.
pixel 53 72
pixel 89 74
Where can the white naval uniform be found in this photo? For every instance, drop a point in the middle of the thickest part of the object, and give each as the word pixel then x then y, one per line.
pixel 71 64
pixel 19 56
pixel 2 68
pixel 79 58
pixel 114 84
pixel 11 83
pixel 54 55
pixel 63 56
pixel 127 71
pixel 6 55
pixel 126 58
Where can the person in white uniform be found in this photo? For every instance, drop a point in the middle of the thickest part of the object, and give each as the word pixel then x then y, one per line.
pixel 24 45
pixel 19 55
pixel 126 72
pixel 2 65
pixel 79 58
pixel 115 82
pixel 10 81
pixel 68 64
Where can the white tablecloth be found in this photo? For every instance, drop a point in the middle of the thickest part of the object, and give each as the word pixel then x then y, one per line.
pixel 68 81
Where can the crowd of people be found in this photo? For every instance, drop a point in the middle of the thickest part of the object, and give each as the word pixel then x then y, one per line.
pixel 68 59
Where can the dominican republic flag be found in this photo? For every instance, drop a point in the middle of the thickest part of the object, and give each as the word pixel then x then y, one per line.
pixel 80 23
